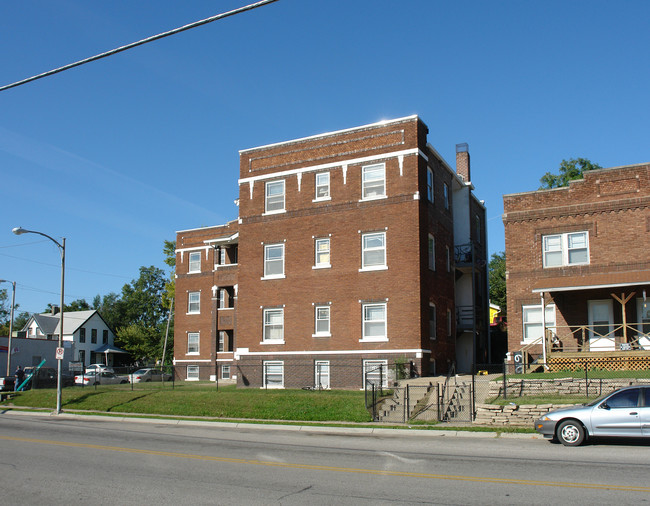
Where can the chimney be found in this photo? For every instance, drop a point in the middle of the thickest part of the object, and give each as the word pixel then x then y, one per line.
pixel 462 161
pixel 55 310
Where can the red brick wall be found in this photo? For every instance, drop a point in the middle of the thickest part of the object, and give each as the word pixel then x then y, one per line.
pixel 613 205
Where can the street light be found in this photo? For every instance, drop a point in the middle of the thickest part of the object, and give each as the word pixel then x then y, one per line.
pixel 11 323
pixel 20 231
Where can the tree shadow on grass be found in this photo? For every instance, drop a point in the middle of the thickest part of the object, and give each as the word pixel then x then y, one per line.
pixel 78 401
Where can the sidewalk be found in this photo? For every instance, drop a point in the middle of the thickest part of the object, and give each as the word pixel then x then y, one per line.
pixel 335 428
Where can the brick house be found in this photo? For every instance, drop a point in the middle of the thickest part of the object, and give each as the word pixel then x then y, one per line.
pixel 581 252
pixel 353 249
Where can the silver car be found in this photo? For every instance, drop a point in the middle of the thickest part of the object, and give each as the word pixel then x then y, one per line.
pixel 622 413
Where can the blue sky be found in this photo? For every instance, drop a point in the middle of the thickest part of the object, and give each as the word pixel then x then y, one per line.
pixel 119 154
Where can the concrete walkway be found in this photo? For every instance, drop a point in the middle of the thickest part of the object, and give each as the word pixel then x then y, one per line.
pixel 403 431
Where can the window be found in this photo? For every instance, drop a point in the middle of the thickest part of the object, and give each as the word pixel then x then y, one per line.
pixel 274 261
pixel 565 249
pixel 532 318
pixel 274 325
pixel 104 336
pixel 374 322
pixel 445 193
pixel 643 319
pixel 194 302
pixel 322 186
pixel 448 259
pixel 223 299
pixel 192 372
pixel 322 321
pixel 274 197
pixel 223 339
pixel 193 343
pixel 93 336
pixel 225 372
pixel 430 184
pixel 273 374
pixel 222 256
pixel 432 253
pixel 449 323
pixel 375 372
pixel 624 399
pixel 433 323
pixel 82 335
pixel 82 357
pixel 195 262
pixel 373 181
pixel 322 253
pixel 477 221
pixel 374 251
pixel 322 374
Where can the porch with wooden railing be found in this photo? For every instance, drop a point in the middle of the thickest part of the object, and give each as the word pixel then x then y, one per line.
pixel 622 346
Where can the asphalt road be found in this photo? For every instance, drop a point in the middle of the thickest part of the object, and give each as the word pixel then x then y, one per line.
pixel 61 460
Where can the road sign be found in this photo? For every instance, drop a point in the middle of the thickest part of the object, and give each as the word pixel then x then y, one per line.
pixel 59 354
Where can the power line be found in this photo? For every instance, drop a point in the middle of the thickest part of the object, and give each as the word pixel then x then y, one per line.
pixel 139 43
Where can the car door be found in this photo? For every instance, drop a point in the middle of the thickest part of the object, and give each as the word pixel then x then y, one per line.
pixel 644 413
pixel 618 415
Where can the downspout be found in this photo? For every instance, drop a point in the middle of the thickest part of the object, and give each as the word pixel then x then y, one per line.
pixel 543 327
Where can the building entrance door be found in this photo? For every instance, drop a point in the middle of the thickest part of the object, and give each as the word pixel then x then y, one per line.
pixel 601 325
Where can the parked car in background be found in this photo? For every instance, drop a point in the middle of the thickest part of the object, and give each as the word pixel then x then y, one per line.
pixel 45 377
pixel 622 413
pixel 99 378
pixel 99 367
pixel 145 375
pixel 7 382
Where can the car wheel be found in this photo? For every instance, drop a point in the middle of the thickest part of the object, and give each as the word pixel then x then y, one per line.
pixel 571 433
pixel 148 380
pixel 123 381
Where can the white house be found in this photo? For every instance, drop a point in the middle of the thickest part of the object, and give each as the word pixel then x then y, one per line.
pixel 87 338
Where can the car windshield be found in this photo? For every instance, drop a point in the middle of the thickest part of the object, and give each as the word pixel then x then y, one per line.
pixel 598 400
pixel 141 371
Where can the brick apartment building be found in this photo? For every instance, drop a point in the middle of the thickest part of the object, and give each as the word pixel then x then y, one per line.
pixel 582 253
pixel 352 249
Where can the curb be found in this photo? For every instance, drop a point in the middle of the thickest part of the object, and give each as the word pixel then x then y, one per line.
pixel 280 427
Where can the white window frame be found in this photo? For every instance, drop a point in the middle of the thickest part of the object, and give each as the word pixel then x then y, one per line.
pixel 273 368
pixel 371 366
pixel 561 246
pixel 274 202
pixel 193 343
pixel 365 238
pixel 432 252
pixel 268 325
pixel 225 371
pixel 322 315
pixel 222 338
pixel 194 262
pixel 322 374
pixel 433 323
pixel 373 188
pixel 366 320
pixel 531 318
pixel 319 252
pixel 273 261
pixel 193 306
pixel 322 183
pixel 194 374
pixel 430 185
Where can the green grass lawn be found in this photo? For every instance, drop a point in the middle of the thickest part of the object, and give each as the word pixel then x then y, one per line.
pixel 206 400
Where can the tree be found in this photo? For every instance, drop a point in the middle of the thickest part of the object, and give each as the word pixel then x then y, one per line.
pixel 142 315
pixel 169 249
pixel 571 169
pixel 110 307
pixel 497 280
